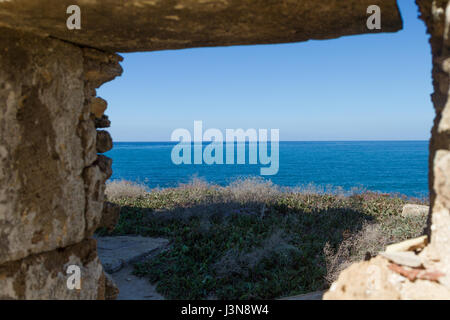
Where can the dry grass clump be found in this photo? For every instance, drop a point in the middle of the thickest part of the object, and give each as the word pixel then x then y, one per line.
pixel 252 190
pixel 199 197
pixel 119 189
pixel 196 191
pixel 338 191
pixel 364 244
pixel 369 241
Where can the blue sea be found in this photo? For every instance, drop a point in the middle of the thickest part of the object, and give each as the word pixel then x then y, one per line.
pixel 383 166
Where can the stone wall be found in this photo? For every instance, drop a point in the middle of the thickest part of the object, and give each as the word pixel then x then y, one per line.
pixel 436 15
pixel 51 176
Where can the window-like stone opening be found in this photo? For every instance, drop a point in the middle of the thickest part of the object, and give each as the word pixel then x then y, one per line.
pixel 380 73
pixel 45 64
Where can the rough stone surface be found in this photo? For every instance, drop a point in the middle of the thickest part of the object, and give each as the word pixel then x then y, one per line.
pixel 51 179
pixel 102 122
pixel 104 164
pixel 42 198
pixel 110 215
pixel 95 177
pixel 375 280
pixel 408 258
pixel 436 15
pixel 104 141
pixel 43 276
pixel 416 244
pixel 48 176
pixel 117 252
pixel 142 25
pixel 440 228
pixel 364 280
pixel 98 107
pixel 95 180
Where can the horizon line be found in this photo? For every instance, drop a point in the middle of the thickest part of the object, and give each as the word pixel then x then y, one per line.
pixel 361 140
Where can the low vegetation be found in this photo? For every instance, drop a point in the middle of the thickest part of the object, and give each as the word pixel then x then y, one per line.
pixel 255 240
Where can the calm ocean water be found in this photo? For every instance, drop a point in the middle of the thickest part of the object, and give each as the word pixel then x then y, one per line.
pixel 385 166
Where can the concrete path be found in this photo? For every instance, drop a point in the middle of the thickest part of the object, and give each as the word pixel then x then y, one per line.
pixel 317 295
pixel 118 254
pixel 132 287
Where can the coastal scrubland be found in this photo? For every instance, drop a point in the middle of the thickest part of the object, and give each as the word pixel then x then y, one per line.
pixel 256 240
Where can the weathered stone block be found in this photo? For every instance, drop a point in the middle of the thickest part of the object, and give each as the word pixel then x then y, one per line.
pixel 42 200
pixel 99 67
pixel 47 140
pixel 95 196
pixel 102 122
pixel 364 280
pixel 110 215
pixel 98 106
pixel 440 219
pixel 104 163
pixel 104 141
pixel 95 178
pixel 44 276
pixel 380 279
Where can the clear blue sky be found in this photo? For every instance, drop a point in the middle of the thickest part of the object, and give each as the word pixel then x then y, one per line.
pixel 366 87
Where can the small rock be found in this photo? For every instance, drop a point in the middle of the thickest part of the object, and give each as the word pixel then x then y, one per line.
pixel 408 245
pixel 104 163
pixel 409 259
pixel 102 122
pixel 409 273
pixel 104 141
pixel 98 107
pixel 412 210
